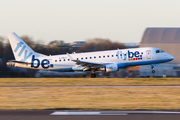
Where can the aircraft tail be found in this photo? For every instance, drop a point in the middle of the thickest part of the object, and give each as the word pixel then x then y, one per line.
pixel 22 52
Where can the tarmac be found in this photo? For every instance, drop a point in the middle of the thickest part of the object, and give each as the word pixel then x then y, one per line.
pixel 88 115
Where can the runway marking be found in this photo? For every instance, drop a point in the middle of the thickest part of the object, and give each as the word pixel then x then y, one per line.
pixel 75 113
pixel 82 113
pixel 153 112
pixel 112 112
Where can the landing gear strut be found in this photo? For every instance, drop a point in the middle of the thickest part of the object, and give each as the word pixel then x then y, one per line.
pixel 152 66
pixel 93 74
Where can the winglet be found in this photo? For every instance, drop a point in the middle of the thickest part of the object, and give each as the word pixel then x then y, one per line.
pixel 72 59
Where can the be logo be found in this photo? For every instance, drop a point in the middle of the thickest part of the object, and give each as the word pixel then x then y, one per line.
pixel 129 55
pixel 35 62
pixel 135 54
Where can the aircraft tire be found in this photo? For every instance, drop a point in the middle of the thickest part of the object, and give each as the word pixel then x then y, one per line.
pixel 93 75
pixel 153 71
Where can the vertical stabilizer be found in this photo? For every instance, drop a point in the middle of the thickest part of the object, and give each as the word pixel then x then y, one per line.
pixel 22 52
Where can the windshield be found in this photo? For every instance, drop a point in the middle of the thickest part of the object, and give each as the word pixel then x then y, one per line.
pixel 159 51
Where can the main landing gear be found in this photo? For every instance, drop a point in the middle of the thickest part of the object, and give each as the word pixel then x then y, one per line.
pixel 93 74
pixel 152 66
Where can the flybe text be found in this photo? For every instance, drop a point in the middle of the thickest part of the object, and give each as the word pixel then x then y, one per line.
pixel 35 62
pixel 129 55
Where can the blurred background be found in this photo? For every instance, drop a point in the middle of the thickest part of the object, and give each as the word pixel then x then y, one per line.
pixel 59 26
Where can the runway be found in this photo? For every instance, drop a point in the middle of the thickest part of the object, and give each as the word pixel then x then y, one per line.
pixel 154 86
pixel 88 115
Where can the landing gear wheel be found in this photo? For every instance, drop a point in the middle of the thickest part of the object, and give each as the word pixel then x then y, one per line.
pixel 153 71
pixel 93 75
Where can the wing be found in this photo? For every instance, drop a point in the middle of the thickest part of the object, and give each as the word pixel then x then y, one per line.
pixel 86 64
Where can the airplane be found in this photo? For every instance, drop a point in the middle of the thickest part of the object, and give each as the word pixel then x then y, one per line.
pixel 108 61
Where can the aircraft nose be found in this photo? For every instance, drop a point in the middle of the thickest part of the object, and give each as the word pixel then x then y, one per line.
pixel 170 57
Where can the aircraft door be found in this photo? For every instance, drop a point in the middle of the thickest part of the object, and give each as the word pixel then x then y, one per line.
pixel 148 54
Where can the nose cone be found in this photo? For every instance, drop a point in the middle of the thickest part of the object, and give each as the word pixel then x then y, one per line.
pixel 170 57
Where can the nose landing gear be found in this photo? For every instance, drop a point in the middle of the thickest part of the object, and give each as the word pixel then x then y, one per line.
pixel 152 66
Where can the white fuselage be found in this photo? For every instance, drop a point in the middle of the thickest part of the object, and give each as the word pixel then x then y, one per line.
pixel 121 57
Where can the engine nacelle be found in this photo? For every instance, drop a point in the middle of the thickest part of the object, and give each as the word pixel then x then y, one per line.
pixel 111 68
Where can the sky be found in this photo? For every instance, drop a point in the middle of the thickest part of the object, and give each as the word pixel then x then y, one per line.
pixel 76 20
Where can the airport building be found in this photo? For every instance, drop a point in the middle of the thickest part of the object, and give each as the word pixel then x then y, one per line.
pixel 167 39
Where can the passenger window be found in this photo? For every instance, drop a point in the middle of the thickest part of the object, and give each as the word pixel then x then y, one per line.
pixel 112 55
pixel 77 58
pixel 59 60
pixel 90 57
pixel 107 55
pixel 103 56
pixel 86 57
pixel 141 52
pixel 68 59
pixel 94 56
pixel 64 60
pixel 81 58
pixel 99 56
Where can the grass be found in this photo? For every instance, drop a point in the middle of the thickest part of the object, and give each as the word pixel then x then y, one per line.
pixel 87 81
pixel 90 98
pixel 146 98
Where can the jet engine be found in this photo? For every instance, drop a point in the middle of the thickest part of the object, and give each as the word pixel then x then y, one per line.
pixel 111 67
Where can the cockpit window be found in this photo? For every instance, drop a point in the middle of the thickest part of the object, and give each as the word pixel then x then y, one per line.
pixel 159 51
